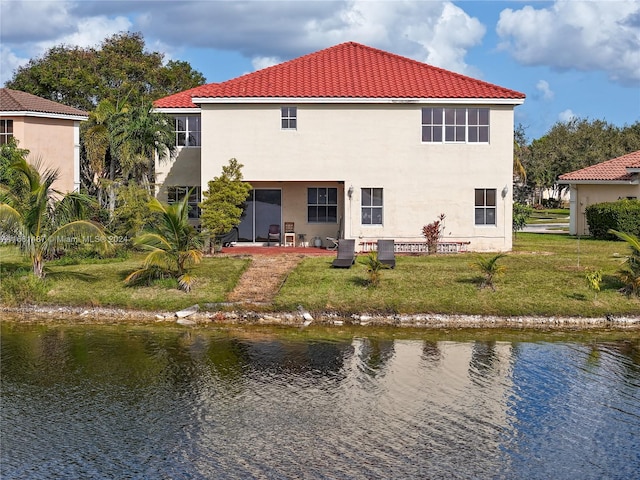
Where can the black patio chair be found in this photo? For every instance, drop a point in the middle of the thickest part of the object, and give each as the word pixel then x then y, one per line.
pixel 346 253
pixel 386 253
pixel 274 234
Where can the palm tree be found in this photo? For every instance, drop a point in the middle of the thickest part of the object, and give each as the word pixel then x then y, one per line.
pixel 139 134
pixel 490 269
pixel 629 273
pixel 42 225
pixel 173 245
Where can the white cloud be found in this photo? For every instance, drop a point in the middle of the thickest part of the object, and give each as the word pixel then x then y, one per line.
pixel 9 62
pixel 439 33
pixel 543 87
pixel 586 36
pixel 566 116
pixel 263 62
pixel 89 32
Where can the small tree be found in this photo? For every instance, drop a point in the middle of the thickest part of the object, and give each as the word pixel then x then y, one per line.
pixel 223 202
pixel 41 225
pixel 490 268
pixel 521 213
pixel 594 278
pixel 374 268
pixel 173 245
pixel 433 233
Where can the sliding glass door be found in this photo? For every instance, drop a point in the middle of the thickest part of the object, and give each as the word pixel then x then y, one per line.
pixel 263 208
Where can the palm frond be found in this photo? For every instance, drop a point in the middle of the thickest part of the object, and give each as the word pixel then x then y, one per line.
pixel 75 233
pixel 152 241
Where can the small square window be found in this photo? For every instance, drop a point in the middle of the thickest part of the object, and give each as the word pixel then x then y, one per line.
pixel 289 118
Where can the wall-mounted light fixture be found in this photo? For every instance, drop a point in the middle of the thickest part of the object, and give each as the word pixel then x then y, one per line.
pixel 505 190
pixel 350 191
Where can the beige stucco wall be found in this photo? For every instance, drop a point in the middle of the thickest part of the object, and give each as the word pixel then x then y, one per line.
pixel 581 196
pixel 55 142
pixel 367 146
pixel 182 170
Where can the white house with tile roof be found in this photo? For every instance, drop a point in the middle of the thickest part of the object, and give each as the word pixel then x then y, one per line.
pixel 357 142
pixel 49 130
pixel 608 181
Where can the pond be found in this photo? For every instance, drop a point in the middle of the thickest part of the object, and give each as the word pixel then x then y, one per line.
pixel 147 402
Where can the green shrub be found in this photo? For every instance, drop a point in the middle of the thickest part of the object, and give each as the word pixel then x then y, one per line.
pixel 22 287
pixel 622 216
pixel 521 213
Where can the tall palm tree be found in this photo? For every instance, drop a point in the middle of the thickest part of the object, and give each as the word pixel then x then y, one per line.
pixel 173 245
pixel 139 134
pixel 40 224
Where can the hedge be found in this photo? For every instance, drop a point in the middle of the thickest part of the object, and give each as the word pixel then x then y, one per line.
pixel 623 216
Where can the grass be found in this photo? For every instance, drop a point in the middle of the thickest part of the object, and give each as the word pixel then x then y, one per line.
pixel 101 284
pixel 545 275
pixel 549 215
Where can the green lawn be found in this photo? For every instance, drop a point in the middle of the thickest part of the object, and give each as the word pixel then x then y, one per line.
pixel 545 275
pixel 549 215
pixel 101 284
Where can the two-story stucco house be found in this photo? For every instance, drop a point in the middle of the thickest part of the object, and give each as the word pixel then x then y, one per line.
pixel 49 130
pixel 356 142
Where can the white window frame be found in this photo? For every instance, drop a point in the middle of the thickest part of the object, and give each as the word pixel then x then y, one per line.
pixel 326 205
pixel 469 125
pixel 191 131
pixel 289 118
pixel 368 210
pixel 175 193
pixel 484 207
pixel 6 131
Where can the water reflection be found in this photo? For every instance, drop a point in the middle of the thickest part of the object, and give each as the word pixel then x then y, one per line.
pixel 126 402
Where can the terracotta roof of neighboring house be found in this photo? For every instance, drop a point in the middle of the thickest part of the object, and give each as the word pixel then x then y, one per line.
pixel 349 70
pixel 180 99
pixel 616 169
pixel 18 101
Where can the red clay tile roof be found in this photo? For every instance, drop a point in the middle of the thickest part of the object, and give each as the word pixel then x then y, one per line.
pixel 612 170
pixel 349 70
pixel 180 99
pixel 18 101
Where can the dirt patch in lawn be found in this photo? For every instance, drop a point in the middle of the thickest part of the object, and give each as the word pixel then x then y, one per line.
pixel 263 279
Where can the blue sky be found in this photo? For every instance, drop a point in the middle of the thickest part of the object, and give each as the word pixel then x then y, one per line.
pixel 570 57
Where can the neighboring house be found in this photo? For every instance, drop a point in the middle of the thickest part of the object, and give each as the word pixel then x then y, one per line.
pixel 49 130
pixel 356 142
pixel 604 182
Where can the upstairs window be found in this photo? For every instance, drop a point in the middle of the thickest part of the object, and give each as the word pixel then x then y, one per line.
pixel 175 194
pixel 371 206
pixel 455 125
pixel 188 131
pixel 322 205
pixel 6 131
pixel 485 206
pixel 289 118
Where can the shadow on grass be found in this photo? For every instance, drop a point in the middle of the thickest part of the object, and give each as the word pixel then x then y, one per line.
pixel 360 282
pixel 61 276
pixel 577 296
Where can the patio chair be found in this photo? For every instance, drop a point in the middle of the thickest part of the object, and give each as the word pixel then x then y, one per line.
pixel 386 252
pixel 333 243
pixel 274 234
pixel 346 253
